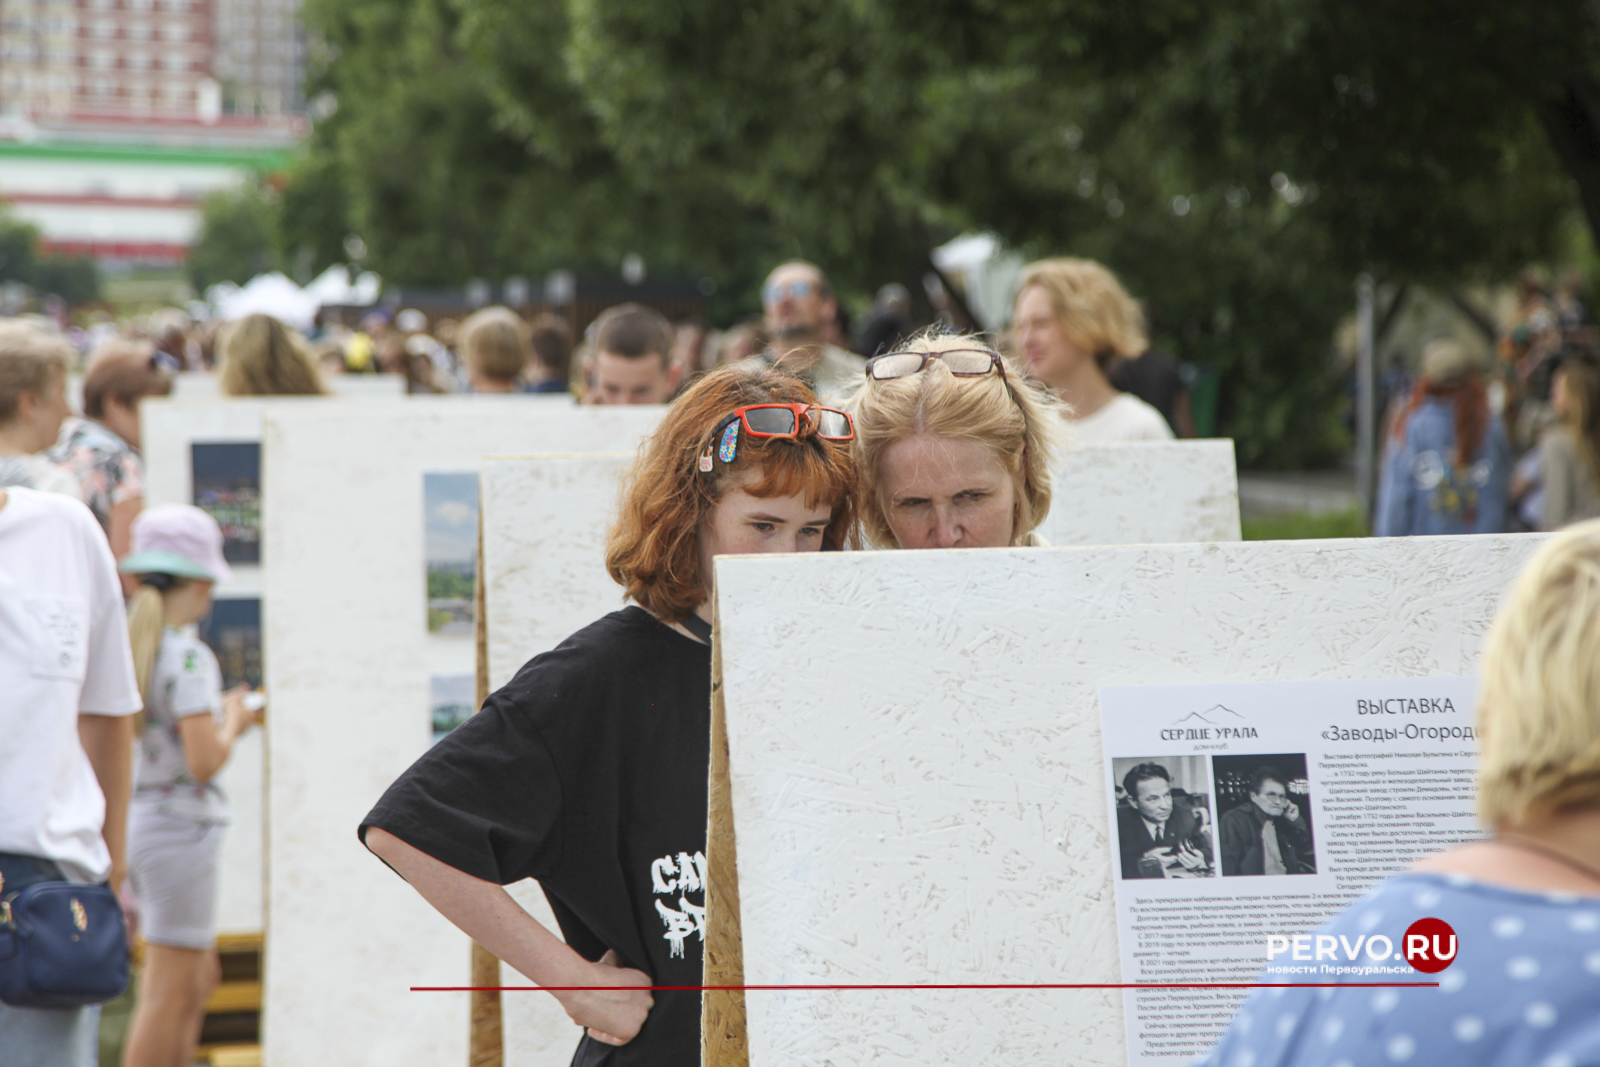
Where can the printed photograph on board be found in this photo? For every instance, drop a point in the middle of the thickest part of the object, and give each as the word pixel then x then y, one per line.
pixel 227 486
pixel 450 516
pixel 233 630
pixel 1163 806
pixel 1264 823
pixel 451 699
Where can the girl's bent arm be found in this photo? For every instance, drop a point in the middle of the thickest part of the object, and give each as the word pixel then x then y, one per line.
pixel 205 744
pixel 485 912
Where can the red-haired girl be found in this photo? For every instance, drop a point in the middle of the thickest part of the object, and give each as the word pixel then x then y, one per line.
pixel 588 770
pixel 1447 466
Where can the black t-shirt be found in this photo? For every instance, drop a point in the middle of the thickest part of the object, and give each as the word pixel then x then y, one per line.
pixel 1153 378
pixel 588 772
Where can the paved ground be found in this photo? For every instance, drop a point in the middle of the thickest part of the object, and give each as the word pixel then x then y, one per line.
pixel 1282 493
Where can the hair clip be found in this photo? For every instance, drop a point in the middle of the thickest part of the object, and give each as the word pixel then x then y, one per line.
pixel 705 462
pixel 729 448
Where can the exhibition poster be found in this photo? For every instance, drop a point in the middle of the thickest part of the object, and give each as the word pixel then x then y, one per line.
pixel 1246 815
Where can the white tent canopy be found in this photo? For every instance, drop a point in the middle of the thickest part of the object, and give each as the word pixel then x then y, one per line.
pixel 333 286
pixel 277 295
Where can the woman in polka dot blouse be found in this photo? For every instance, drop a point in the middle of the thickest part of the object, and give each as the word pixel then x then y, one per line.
pixel 1523 989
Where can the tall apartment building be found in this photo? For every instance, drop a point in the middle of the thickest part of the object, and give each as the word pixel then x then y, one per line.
pixel 143 61
pixel 107 60
pixel 118 116
pixel 260 56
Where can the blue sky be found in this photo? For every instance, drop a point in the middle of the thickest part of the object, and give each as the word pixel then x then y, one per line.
pixel 450 516
pixel 451 689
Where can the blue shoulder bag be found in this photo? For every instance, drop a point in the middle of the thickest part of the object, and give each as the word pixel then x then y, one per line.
pixel 62 944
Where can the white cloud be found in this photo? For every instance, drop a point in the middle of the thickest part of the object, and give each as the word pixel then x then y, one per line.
pixel 456 513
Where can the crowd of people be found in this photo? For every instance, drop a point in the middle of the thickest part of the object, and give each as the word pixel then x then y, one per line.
pixel 1475 445
pixel 588 771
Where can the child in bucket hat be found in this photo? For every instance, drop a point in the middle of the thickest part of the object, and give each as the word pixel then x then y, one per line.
pixel 179 540
pixel 186 732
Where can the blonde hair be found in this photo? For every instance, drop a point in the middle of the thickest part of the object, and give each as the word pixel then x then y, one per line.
pixel 1581 378
pixel 31 361
pixel 1539 710
pixel 496 343
pixel 1091 306
pixel 147 618
pixel 263 357
pixel 1018 420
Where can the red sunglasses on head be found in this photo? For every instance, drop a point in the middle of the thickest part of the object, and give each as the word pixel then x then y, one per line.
pixel 776 420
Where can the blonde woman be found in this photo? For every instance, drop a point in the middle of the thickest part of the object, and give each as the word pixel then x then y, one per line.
pixel 1569 452
pixel 263 357
pixel 1072 322
pixel 496 346
pixel 954 447
pixel 1524 904
pixel 175 821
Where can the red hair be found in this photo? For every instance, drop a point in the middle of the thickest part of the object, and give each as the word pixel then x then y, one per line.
pixel 1471 404
pixel 653 551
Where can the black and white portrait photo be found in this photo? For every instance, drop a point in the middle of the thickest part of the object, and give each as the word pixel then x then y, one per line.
pixel 1163 817
pixel 1264 820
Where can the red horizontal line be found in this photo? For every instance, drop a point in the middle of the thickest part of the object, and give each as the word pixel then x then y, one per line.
pixel 116 247
pixel 991 985
pixel 103 200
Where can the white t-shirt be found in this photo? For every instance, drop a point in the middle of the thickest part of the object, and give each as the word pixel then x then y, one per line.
pixel 63 650
pixel 1125 418
pixel 186 681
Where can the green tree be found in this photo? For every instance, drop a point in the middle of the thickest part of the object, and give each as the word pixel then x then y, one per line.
pixel 238 236
pixel 75 279
pixel 461 149
pixel 18 249
pixel 313 216
pixel 1237 162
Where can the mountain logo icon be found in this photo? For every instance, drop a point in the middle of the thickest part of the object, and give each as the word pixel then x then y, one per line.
pixel 1215 715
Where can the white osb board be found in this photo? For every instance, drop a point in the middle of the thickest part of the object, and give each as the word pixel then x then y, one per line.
pixel 914 732
pixel 344 613
pixel 205 385
pixel 167 430
pixel 169 427
pixel 545 520
pixel 1149 492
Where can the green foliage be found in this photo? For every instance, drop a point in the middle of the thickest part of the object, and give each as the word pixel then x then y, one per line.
pixel 1237 162
pixel 313 217
pixel 1298 525
pixel 238 232
pixel 19 242
pixel 465 152
pixel 447 582
pixel 75 279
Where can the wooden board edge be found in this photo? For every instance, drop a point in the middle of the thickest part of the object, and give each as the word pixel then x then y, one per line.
pixel 724 1041
pixel 486 1033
